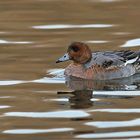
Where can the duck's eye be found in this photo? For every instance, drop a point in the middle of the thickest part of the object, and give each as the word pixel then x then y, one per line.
pixel 75 48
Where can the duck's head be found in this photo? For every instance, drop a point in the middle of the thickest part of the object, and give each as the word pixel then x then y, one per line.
pixel 78 52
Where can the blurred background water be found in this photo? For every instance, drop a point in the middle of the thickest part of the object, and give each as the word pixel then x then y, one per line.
pixel 35 100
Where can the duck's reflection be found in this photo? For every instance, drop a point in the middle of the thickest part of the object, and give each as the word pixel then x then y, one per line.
pixel 80 98
pixel 82 94
pixel 130 83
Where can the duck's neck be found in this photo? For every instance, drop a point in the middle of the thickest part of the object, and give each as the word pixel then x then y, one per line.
pixel 88 63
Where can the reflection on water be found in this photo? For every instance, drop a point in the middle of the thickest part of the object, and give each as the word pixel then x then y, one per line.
pixel 40 105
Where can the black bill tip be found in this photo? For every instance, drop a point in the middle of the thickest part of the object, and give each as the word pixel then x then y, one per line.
pixel 58 61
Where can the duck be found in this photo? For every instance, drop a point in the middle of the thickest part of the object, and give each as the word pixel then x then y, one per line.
pixel 99 65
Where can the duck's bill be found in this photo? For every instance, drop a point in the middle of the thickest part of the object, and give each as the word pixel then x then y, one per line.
pixel 63 58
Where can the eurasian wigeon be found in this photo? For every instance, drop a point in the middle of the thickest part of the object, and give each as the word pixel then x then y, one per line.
pixel 100 65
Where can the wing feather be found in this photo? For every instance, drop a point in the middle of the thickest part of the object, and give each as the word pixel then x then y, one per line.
pixel 113 58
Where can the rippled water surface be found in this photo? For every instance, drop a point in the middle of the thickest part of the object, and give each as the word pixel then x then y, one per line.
pixel 36 102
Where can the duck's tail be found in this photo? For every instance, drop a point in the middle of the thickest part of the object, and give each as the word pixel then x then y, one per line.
pixel 133 58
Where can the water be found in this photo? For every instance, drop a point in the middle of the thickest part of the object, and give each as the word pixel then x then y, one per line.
pixel 36 102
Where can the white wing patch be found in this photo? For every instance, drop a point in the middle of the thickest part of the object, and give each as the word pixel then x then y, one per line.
pixel 131 61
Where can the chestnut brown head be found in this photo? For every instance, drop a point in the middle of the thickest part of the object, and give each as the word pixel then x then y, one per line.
pixel 78 52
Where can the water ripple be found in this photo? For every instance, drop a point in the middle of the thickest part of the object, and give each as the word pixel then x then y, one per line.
pixel 14 42
pixel 72 26
pixel 132 43
pixel 36 131
pixel 11 82
pixel 5 97
pixel 117 110
pixel 47 80
pixel 58 100
pixel 55 114
pixel 110 0
pixel 112 124
pixel 110 135
pixel 97 41
pixel 57 77
pixel 117 93
pixel 4 106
